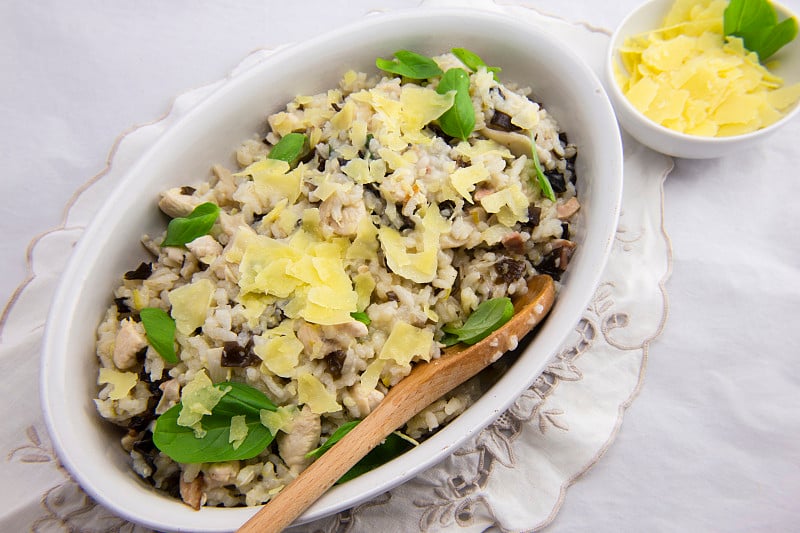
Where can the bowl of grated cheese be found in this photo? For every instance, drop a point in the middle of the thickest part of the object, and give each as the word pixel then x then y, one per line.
pixel 682 87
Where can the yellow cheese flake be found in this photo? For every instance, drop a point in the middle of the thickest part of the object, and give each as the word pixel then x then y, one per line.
pixel 264 267
pixel 419 266
pixel 311 223
pixel 370 376
pixel 198 399
pixel 481 148
pixel 419 106
pixel 139 301
pixel 688 77
pixel 406 342
pixel 190 304
pixel 311 273
pixel 273 180
pixel 364 285
pixel 357 170
pixel 275 213
pixel 393 159
pixel 377 170
pixel 365 245
pixel 279 420
pixel 495 234
pixel 313 393
pixel 254 305
pixel 358 133
pixel 510 204
pixel 122 382
pixel 238 431
pixel 464 179
pixel 344 118
pixel 280 353
pixel 241 238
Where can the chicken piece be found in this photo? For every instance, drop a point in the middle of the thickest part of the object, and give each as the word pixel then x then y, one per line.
pixel 192 492
pixel 344 334
pixel 221 474
pixel 127 344
pixel 205 248
pixel 365 400
pixel 170 395
pixel 568 208
pixel 310 335
pixel 225 186
pixel 302 437
pixel 175 203
pixel 342 214
pixel 514 243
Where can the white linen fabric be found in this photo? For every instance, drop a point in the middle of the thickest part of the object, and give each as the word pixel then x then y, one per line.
pixel 709 444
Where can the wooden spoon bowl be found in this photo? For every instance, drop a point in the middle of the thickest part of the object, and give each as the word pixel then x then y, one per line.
pixel 425 384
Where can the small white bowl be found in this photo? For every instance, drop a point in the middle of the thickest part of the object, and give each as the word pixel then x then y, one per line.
pixel 650 16
pixel 89 447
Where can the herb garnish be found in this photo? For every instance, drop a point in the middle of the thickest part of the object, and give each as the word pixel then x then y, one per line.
pixel 410 64
pixel 182 230
pixel 361 317
pixel 473 61
pixel 159 328
pixel 393 446
pixel 756 22
pixel 459 120
pixel 180 443
pixel 290 148
pixel 544 183
pixel 489 316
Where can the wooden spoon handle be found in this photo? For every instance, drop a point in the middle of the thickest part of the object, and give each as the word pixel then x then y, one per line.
pixel 425 384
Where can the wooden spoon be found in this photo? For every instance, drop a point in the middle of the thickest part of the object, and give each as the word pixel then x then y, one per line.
pixel 426 383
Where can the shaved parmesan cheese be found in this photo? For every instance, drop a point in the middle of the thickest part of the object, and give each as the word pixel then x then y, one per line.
pixel 510 204
pixel 198 398
pixel 689 77
pixel 464 179
pixel 419 106
pixel 419 266
pixel 122 382
pixel 407 342
pixel 278 420
pixel 238 431
pixel 190 304
pixel 280 353
pixel 313 393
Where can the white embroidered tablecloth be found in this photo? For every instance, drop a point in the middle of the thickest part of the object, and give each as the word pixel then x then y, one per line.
pixel 554 432
pixel 514 475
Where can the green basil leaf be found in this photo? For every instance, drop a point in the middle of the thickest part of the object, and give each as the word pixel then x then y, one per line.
pixel 747 15
pixel 182 230
pixel 756 22
pixel 473 61
pixel 393 446
pixel 544 183
pixel 290 148
pixel 489 316
pixel 770 40
pixel 361 317
pixel 180 443
pixel 459 120
pixel 337 435
pixel 410 64
pixel 159 328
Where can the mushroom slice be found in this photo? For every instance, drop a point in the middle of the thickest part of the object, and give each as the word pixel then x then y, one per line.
pixel 518 143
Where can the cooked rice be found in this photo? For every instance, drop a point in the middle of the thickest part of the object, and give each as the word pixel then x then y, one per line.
pixel 361 168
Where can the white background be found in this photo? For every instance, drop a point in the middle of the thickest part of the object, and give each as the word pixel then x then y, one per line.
pixel 710 444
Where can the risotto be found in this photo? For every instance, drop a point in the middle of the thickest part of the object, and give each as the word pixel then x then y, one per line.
pixel 356 238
